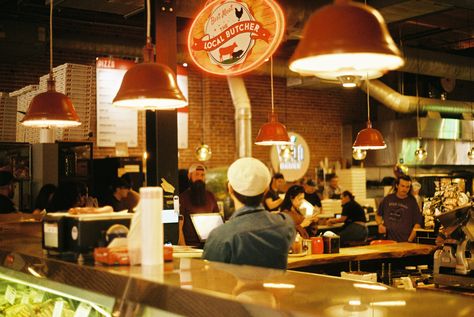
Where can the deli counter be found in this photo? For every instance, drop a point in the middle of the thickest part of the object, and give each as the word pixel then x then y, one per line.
pixel 193 287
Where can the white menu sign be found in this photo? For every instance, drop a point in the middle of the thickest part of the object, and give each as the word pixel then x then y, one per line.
pixel 113 124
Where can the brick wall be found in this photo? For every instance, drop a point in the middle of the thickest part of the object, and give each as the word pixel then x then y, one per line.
pixel 317 115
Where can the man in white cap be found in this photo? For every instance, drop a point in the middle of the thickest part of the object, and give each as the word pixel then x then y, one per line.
pixel 196 199
pixel 252 236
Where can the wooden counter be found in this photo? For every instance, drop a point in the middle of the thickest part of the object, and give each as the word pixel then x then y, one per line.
pixel 369 252
pixel 190 287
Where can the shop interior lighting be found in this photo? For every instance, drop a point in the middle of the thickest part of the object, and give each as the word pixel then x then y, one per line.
pixel 203 151
pixel 420 153
pixel 369 138
pixel 149 85
pixel 346 38
pixel 358 154
pixel 273 132
pixel 51 108
pixel 349 81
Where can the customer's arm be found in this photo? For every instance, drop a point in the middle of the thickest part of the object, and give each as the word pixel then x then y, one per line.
pixel 273 204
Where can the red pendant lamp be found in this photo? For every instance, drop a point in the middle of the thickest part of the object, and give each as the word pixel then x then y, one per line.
pixel 369 138
pixel 272 132
pixel 51 108
pixel 150 85
pixel 346 39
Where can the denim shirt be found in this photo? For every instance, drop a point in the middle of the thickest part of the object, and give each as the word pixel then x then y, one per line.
pixel 252 236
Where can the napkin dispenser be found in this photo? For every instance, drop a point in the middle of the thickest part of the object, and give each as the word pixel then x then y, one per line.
pixel 331 244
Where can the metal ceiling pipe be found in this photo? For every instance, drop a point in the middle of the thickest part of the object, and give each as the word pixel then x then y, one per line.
pixel 438 64
pixel 407 104
pixel 243 116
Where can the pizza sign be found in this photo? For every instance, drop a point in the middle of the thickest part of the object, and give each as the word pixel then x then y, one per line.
pixel 232 37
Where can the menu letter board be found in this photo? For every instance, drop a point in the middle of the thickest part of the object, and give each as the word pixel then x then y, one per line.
pixel 113 124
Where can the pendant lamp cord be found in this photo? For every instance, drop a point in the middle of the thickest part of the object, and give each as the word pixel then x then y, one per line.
pixel 148 22
pixel 51 39
pixel 417 109
pixel 202 110
pixel 368 99
pixel 271 82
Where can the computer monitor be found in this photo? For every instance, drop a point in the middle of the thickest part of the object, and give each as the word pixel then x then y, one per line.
pixel 206 222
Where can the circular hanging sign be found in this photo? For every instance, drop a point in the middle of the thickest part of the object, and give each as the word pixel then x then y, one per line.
pixel 232 37
pixel 291 160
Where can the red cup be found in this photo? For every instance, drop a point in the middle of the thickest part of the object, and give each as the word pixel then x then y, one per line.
pixel 317 245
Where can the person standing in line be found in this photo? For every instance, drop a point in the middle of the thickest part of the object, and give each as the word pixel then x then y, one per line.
pixel 353 217
pixel 196 199
pixel 398 214
pixel 121 196
pixel 332 190
pixel 272 199
pixel 252 235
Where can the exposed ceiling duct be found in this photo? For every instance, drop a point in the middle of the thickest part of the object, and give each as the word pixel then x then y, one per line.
pixel 407 104
pixel 438 64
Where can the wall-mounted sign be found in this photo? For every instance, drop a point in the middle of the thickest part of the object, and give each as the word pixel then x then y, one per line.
pixel 114 125
pixel 291 160
pixel 232 37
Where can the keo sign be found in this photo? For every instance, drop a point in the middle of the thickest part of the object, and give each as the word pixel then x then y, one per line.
pixel 232 37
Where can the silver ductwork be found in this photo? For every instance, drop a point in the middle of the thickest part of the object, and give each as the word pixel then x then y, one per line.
pixel 447 142
pixel 407 104
pixel 437 64
pixel 243 116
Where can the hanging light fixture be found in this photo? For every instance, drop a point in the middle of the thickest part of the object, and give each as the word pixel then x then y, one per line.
pixel 346 38
pixel 358 154
pixel 203 151
pixel 369 138
pixel 51 108
pixel 150 85
pixel 420 153
pixel 470 153
pixel 272 132
pixel 349 81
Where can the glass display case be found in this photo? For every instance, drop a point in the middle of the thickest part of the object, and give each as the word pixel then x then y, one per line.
pixel 30 295
pixel 54 163
pixel 16 158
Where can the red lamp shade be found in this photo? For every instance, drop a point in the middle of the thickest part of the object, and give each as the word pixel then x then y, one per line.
pixel 346 38
pixel 272 132
pixel 51 109
pixel 149 86
pixel 369 139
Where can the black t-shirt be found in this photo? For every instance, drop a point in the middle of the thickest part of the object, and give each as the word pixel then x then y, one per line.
pixel 6 205
pixel 354 212
pixel 274 196
pixel 313 199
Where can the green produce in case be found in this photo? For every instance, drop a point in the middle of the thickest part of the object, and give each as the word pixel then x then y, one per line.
pixel 17 299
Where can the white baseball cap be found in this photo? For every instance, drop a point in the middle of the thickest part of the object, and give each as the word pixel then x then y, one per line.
pixel 249 176
pixel 195 167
